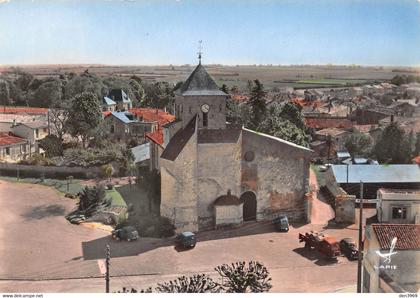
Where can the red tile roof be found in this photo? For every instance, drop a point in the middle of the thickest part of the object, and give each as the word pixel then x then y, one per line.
pixel 149 114
pixel 240 98
pixel 320 123
pixel 107 113
pixel 156 136
pixel 9 139
pixel 23 110
pixel 408 235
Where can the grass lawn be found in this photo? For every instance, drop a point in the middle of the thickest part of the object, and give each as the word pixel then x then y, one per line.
pixel 117 199
pixel 60 185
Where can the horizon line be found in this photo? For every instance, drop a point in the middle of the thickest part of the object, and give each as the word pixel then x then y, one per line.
pixel 210 64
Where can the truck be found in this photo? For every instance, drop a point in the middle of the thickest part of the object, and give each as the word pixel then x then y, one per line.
pixel 327 245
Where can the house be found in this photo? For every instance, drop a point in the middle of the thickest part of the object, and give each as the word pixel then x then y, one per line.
pixel 391 258
pixel 334 137
pixel 33 132
pixel 12 148
pixel 405 109
pixel 398 205
pixel 205 159
pixel 124 125
pixel 121 98
pixel 374 177
pixel 371 114
pixel 108 105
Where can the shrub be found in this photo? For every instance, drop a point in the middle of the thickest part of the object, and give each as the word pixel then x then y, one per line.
pixel 52 145
pixel 165 227
pixel 37 159
pixel 199 283
pixel 239 278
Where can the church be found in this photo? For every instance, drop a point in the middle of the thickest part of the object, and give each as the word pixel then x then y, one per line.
pixel 215 173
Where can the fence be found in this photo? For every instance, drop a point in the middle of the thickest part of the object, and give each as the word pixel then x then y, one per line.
pixel 52 172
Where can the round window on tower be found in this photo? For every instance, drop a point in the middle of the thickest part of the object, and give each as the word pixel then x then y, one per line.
pixel 249 156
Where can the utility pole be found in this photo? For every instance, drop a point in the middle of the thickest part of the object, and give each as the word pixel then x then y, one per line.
pixel 108 256
pixel 360 255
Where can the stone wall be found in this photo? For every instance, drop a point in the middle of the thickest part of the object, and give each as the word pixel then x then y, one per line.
pixel 219 169
pixel 344 203
pixel 34 171
pixel 179 187
pixel 278 174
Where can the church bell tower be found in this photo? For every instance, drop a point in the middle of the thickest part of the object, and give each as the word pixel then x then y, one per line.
pixel 200 95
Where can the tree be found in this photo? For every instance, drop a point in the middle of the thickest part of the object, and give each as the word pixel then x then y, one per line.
pixel 52 145
pixel 242 278
pixel 278 123
pixel 48 92
pixel 4 92
pixel 108 171
pixel 85 116
pixel 199 283
pixel 85 83
pixel 91 200
pixel 258 105
pixel 417 145
pixel 59 115
pixel 392 146
pixel 292 112
pixel 224 88
pixel 359 144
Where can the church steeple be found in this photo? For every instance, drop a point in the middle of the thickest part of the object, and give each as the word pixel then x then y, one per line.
pixel 200 96
pixel 200 51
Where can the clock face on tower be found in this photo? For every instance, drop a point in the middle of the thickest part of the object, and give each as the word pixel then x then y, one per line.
pixel 205 108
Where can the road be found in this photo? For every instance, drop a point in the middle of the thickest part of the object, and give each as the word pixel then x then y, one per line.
pixel 41 252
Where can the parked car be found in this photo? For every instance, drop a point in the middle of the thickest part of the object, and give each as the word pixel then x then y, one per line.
pixel 349 249
pixel 281 223
pixel 186 240
pixel 128 233
pixel 76 218
pixel 324 168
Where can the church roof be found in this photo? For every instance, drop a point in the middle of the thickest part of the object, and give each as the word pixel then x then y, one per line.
pixel 178 141
pixel 199 83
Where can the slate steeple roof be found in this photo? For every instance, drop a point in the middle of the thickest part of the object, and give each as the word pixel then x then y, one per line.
pixel 199 83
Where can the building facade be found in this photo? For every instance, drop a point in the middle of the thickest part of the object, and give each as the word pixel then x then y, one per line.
pixel 206 158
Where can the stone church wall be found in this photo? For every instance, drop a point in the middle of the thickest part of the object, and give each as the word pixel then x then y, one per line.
pixel 278 174
pixel 179 188
pixel 219 169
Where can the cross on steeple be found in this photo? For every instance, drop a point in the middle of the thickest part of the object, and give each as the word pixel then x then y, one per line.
pixel 200 50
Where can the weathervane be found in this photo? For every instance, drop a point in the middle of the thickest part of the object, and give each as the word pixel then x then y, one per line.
pixel 200 50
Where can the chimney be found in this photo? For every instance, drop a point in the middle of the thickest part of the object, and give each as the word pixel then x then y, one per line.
pixel 392 118
pixel 14 122
pixel 229 192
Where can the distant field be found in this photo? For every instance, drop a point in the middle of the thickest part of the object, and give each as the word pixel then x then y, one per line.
pixel 270 76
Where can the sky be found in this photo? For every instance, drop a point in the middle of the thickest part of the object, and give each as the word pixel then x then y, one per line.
pixel 161 32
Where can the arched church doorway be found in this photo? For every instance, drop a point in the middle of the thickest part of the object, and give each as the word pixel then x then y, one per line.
pixel 250 206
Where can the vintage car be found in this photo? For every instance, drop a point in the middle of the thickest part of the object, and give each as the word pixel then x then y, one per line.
pixel 349 249
pixel 128 233
pixel 281 223
pixel 185 240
